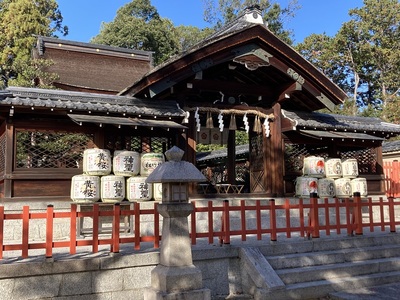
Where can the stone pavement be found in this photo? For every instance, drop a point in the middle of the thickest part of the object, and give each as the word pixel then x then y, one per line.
pixel 383 292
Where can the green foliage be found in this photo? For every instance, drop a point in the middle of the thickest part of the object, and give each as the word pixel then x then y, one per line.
pixel 363 58
pixel 241 138
pixel 138 25
pixel 219 13
pixel 191 35
pixel 20 20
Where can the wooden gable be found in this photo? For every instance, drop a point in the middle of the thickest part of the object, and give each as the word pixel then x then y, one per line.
pixel 250 66
pixel 86 67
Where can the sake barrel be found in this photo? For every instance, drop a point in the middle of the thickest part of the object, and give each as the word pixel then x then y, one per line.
pixel 157 191
pixel 85 188
pixel 314 166
pixel 96 161
pixel 350 168
pixel 326 187
pixel 306 185
pixel 333 168
pixel 343 187
pixel 112 188
pixel 126 163
pixel 359 185
pixel 138 190
pixel 150 161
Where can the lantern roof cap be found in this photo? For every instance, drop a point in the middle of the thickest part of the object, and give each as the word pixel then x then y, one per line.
pixel 175 170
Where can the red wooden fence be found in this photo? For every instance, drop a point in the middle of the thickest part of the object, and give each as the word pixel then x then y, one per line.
pixel 392 178
pixel 351 216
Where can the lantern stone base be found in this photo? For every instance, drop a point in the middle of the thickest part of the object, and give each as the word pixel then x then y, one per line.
pixel 173 283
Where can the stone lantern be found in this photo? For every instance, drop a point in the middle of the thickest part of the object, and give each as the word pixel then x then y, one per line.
pixel 176 277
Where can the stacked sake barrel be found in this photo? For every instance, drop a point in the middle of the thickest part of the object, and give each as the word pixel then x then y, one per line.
pixel 313 170
pixel 113 179
pixel 330 177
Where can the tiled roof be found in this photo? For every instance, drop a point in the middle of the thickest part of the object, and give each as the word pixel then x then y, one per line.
pixel 391 146
pixel 222 153
pixel 79 101
pixel 316 121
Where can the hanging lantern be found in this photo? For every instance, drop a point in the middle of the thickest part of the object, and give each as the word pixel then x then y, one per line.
pixel 209 122
pixel 232 124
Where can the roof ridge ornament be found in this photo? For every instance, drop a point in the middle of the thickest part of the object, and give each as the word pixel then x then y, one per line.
pixel 252 14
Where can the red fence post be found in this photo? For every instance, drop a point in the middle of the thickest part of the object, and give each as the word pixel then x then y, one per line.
pixel 95 235
pixel 314 215
pixel 137 226
pixel 272 220
pixel 1 231
pixel 25 231
pixel 193 224
pixel 116 228
pixel 156 227
pixel 226 238
pixel 258 219
pixel 391 215
pixel 358 213
pixel 210 222
pixel 72 234
pixel 49 230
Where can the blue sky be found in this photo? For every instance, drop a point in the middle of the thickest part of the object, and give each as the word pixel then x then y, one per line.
pixel 84 17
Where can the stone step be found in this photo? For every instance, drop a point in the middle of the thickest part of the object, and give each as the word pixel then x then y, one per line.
pixel 298 260
pixel 322 288
pixel 338 270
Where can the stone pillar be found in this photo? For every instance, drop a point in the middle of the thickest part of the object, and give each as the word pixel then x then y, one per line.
pixel 176 277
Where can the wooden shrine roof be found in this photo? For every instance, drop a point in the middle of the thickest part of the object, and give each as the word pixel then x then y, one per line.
pixel 244 63
pixel 20 97
pixel 91 67
pixel 322 121
pixel 391 146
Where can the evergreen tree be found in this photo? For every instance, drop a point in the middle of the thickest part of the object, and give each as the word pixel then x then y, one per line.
pixel 20 20
pixel 364 58
pixel 221 12
pixel 138 25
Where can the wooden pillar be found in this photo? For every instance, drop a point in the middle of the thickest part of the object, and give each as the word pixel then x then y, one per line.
pixel 231 159
pixel 277 153
pixel 190 153
pixel 379 167
pixel 9 158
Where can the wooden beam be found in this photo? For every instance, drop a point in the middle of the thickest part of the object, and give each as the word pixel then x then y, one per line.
pixel 285 94
pixel 230 87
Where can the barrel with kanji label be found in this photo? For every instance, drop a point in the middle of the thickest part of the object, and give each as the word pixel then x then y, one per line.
pixel 138 190
pixel 126 163
pixel 150 161
pixel 112 188
pixel 314 166
pixel 306 185
pixel 85 188
pixel 96 162
pixel 333 168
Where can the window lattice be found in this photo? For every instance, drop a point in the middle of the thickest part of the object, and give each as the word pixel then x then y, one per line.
pixel 366 159
pixel 3 152
pixel 49 149
pixel 295 154
pixel 137 143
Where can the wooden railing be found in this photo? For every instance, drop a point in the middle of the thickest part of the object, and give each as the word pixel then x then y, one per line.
pixel 221 222
pixel 392 178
